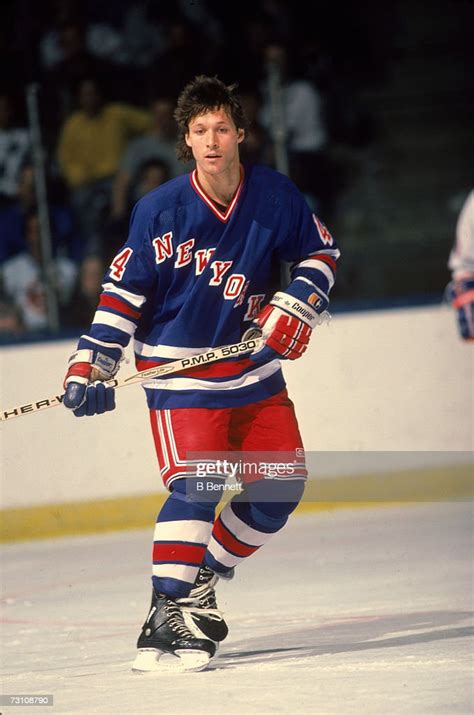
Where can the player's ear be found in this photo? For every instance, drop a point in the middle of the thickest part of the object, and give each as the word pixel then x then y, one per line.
pixel 186 139
pixel 240 135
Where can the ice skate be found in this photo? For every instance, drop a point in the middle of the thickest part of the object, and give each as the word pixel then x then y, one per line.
pixel 166 643
pixel 201 614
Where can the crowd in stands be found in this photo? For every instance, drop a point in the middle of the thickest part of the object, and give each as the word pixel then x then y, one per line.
pixel 109 75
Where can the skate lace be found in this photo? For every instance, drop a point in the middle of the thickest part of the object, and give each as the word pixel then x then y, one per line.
pixel 205 582
pixel 194 605
pixel 175 618
pixel 203 597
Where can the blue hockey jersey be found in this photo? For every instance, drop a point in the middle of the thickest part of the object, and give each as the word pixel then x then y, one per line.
pixel 190 278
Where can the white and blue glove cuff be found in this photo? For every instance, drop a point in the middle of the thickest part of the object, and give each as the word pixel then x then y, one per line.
pixel 104 357
pixel 296 308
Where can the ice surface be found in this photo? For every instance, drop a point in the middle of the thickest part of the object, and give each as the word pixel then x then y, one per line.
pixel 361 612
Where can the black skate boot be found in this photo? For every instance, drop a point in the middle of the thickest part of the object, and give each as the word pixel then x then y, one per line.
pixel 165 633
pixel 205 619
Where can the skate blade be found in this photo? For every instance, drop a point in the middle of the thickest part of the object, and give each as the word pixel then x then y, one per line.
pixel 156 661
pixel 193 659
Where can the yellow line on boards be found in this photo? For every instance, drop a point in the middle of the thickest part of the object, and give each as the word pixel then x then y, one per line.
pixel 138 512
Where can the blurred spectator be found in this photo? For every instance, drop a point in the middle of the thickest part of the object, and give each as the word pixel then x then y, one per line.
pixel 204 17
pixel 306 132
pixel 159 143
pixel 23 282
pixel 79 311
pixel 72 34
pixel 66 58
pixel 10 319
pixel 257 147
pixel 143 38
pixel 185 56
pixel 13 219
pixel 14 148
pixel 123 33
pixel 117 43
pixel 91 143
pixel 251 30
pixel 150 174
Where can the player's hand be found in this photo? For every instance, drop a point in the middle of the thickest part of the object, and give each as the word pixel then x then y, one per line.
pixel 286 324
pixel 461 294
pixel 91 364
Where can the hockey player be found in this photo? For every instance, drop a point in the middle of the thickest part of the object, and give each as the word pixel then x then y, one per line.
pixel 461 265
pixel 197 271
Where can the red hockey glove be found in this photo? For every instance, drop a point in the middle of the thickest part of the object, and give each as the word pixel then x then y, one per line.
pixel 286 324
pixel 88 367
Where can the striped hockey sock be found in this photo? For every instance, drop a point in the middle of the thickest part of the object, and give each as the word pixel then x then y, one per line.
pixel 182 532
pixel 243 526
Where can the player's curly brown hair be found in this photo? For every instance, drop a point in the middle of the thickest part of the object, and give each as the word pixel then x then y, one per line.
pixel 204 94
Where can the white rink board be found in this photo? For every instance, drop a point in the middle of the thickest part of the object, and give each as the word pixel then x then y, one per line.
pixel 394 380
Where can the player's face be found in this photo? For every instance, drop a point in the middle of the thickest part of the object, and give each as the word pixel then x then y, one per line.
pixel 214 141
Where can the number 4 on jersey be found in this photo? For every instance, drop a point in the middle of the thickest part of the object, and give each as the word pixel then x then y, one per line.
pixel 119 263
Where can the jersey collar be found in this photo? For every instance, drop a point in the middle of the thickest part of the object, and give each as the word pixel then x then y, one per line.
pixel 224 217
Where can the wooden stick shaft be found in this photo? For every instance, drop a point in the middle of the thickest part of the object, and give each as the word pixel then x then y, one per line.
pixel 199 360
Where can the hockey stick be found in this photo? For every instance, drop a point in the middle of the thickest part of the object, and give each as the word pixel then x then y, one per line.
pixel 176 366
